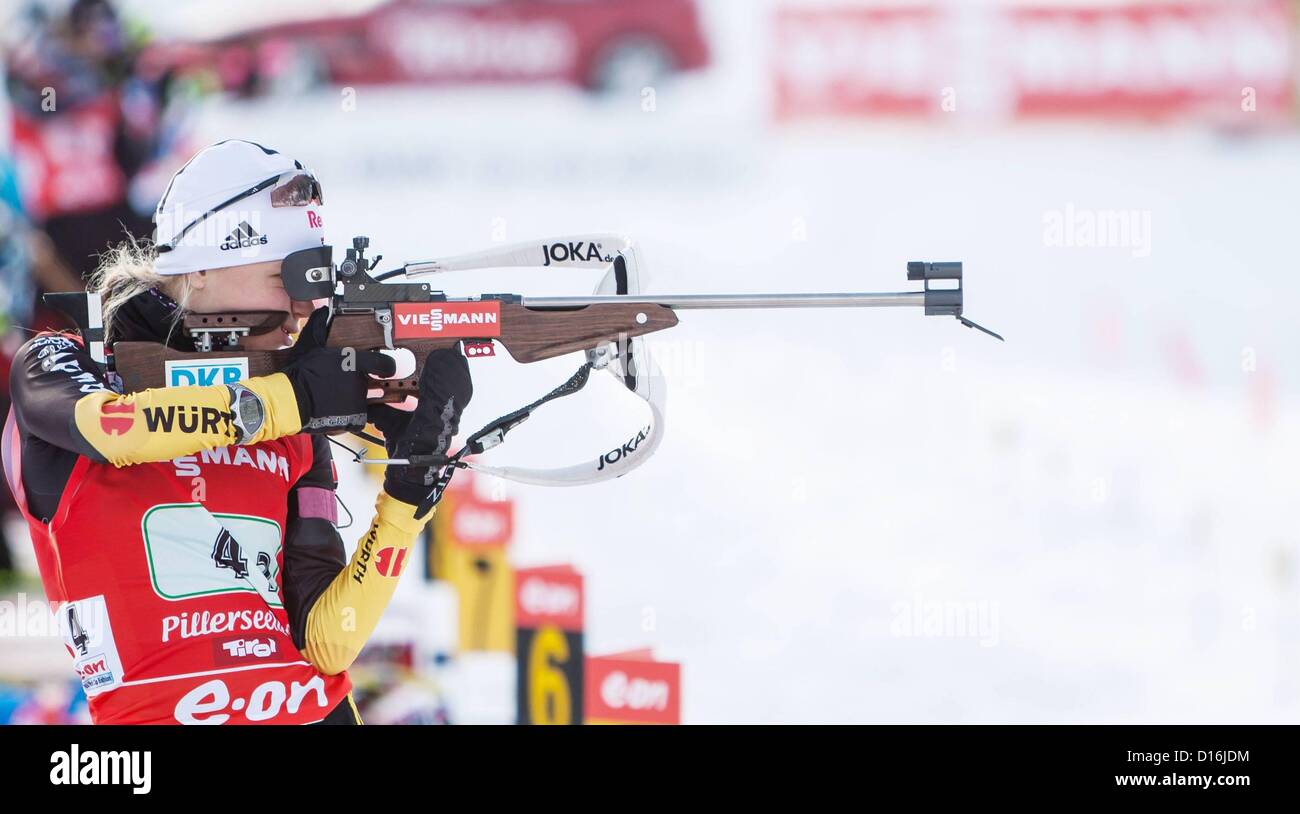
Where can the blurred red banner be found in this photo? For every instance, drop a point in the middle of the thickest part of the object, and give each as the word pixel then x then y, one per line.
pixel 549 596
pixel 1217 60
pixel 476 522
pixel 633 688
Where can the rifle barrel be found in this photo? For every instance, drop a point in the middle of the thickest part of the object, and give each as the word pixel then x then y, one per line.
pixel 675 301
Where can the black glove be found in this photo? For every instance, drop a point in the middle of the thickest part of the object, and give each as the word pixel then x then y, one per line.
pixel 445 389
pixel 331 397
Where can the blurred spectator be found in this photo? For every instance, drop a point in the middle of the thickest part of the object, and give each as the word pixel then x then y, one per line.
pixel 15 309
pixel 49 702
pixel 84 126
pixel 84 149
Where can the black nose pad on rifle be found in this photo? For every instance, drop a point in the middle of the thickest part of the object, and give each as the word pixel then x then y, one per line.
pixel 308 274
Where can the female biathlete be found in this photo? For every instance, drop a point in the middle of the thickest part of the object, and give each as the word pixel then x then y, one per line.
pixel 186 535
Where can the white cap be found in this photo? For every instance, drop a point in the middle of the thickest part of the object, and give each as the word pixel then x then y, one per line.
pixel 248 230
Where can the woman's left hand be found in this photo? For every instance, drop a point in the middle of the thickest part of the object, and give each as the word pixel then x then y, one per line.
pixel 445 390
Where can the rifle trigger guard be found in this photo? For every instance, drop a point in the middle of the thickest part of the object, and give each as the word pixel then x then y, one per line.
pixel 384 316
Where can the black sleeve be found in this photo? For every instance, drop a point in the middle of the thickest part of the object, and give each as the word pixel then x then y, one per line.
pixel 313 549
pixel 49 374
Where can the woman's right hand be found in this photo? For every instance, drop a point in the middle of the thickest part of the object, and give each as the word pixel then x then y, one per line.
pixel 331 385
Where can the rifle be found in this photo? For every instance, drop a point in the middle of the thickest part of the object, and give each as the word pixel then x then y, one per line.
pixel 368 313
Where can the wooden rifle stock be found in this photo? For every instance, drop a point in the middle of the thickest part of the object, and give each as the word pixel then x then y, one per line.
pixel 528 334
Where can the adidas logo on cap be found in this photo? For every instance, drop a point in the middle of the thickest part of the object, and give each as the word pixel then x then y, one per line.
pixel 244 237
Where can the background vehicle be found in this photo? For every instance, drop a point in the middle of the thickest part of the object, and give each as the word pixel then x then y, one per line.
pixel 602 45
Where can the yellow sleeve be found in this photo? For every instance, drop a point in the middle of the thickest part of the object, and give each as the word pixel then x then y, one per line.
pixel 166 422
pixel 345 615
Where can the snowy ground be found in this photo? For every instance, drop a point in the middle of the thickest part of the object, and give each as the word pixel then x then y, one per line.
pixel 875 516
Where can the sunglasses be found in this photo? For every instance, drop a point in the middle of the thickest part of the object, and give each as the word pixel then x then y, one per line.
pixel 299 189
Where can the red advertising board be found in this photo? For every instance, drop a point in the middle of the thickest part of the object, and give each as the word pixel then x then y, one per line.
pixel 1213 59
pixel 549 596
pixel 632 688
pixel 857 60
pixel 549 645
pixel 476 522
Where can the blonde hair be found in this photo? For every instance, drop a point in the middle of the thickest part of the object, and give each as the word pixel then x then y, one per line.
pixel 127 270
